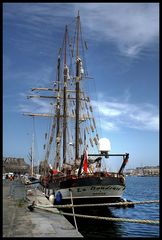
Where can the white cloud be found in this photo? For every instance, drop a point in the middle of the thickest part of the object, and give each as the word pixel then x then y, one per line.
pixel 109 126
pixel 115 115
pixel 132 26
pixel 108 109
pixel 35 105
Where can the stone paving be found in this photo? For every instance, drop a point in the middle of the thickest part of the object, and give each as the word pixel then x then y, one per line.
pixel 18 221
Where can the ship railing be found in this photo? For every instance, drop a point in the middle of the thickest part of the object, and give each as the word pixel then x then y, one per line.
pixel 83 175
pixel 101 174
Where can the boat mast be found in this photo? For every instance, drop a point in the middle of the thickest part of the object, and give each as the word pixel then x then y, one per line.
pixel 65 100
pixel 32 153
pixel 77 92
pixel 57 161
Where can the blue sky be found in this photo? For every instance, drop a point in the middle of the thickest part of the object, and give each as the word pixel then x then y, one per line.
pixel 123 58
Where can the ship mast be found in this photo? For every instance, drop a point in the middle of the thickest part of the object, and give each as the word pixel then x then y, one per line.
pixel 58 114
pixel 77 92
pixel 65 100
pixel 32 155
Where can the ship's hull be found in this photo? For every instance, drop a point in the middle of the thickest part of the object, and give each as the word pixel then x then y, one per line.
pixel 90 194
pixel 90 189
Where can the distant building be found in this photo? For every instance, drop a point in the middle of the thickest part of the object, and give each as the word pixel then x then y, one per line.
pixel 129 171
pixel 15 165
pixel 144 171
pixel 151 170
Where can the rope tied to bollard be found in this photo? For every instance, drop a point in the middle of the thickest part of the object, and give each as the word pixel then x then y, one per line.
pixel 142 221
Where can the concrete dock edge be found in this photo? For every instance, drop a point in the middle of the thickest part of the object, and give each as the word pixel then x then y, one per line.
pixel 19 221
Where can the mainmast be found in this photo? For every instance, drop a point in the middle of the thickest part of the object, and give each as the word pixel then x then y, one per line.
pixel 65 96
pixel 77 91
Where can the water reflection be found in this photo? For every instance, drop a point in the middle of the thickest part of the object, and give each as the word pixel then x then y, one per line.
pixel 96 228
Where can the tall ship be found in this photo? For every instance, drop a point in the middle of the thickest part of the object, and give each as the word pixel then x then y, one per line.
pixel 75 170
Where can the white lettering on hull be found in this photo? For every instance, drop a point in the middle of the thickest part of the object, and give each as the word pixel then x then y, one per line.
pixel 90 191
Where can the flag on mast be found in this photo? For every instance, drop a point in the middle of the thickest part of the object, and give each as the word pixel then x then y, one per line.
pixel 85 162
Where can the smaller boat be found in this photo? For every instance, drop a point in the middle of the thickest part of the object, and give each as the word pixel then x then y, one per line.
pixel 33 177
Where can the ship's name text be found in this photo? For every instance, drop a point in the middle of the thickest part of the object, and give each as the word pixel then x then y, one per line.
pixel 93 188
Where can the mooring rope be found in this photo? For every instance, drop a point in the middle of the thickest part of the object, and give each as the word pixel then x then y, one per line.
pixel 73 211
pixel 114 219
pixel 156 222
pixel 101 204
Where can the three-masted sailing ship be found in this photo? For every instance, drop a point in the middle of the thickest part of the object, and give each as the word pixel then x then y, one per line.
pixel 76 148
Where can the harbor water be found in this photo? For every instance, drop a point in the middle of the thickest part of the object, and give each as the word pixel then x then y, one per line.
pixel 137 189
